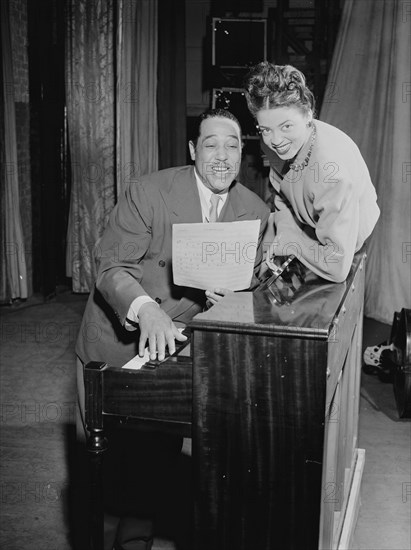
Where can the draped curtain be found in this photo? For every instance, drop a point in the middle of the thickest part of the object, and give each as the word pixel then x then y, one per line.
pixel 13 273
pixel 137 151
pixel 111 83
pixel 90 119
pixel 368 96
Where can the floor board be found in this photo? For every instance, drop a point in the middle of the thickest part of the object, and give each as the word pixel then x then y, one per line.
pixel 37 395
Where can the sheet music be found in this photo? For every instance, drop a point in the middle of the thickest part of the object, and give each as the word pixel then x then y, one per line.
pixel 212 255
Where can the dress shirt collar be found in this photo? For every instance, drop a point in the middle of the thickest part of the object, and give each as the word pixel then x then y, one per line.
pixel 205 196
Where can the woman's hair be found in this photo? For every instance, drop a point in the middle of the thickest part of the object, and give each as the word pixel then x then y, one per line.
pixel 268 86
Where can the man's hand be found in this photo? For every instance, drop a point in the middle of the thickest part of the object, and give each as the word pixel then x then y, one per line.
pixel 159 329
pixel 215 295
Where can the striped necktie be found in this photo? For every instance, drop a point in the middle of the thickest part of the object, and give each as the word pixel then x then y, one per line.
pixel 213 214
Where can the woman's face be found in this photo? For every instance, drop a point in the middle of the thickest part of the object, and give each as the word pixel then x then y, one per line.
pixel 284 129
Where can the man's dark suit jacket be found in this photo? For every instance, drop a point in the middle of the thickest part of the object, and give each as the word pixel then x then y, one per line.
pixel 135 258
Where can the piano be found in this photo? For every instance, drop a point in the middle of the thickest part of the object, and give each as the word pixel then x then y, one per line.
pixel 268 389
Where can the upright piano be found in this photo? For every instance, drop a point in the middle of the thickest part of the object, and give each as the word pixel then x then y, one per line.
pixel 268 389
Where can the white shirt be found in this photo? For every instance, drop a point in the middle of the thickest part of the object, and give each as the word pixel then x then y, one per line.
pixel 205 198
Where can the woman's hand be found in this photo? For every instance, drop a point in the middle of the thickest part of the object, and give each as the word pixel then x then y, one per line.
pixel 269 258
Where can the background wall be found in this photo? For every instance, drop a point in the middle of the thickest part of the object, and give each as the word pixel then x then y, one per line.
pixel 197 12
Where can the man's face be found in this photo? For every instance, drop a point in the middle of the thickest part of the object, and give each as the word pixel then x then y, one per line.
pixel 217 156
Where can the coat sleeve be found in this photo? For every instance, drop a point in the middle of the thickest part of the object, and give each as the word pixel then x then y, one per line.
pixel 121 249
pixel 264 216
pixel 327 250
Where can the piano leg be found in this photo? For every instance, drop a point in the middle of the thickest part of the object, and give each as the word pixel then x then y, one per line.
pixel 96 446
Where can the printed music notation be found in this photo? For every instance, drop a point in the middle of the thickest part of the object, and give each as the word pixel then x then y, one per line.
pixel 215 255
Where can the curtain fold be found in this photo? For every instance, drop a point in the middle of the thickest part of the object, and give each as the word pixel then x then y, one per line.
pixel 111 87
pixel 13 282
pixel 137 133
pixel 90 119
pixel 369 98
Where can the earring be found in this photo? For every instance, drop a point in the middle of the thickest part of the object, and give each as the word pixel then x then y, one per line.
pixel 309 124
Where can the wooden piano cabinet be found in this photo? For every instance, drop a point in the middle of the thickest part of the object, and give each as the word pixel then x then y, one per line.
pixel 269 393
pixel 275 415
pixel 343 461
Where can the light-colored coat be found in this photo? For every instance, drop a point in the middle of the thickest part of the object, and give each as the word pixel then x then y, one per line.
pixel 325 212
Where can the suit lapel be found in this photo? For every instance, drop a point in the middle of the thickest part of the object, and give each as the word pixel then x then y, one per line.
pixel 183 202
pixel 182 199
pixel 234 209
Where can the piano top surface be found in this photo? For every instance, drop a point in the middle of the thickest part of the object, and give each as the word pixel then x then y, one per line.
pixel 304 304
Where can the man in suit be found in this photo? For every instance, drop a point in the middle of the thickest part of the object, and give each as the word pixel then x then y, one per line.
pixel 135 300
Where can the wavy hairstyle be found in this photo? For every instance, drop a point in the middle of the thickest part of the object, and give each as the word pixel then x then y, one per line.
pixel 268 86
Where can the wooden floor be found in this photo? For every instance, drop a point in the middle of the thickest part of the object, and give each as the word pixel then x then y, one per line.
pixel 384 521
pixel 37 396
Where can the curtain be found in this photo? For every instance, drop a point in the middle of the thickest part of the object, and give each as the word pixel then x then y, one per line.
pixel 13 281
pixel 368 96
pixel 90 119
pixel 137 134
pixel 171 94
pixel 111 86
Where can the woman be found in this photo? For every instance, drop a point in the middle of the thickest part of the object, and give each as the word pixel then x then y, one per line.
pixel 325 203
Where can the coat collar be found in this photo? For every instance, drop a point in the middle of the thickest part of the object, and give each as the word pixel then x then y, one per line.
pixel 181 197
pixel 183 201
pixel 234 208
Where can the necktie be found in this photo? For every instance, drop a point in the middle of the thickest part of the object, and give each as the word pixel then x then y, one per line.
pixel 213 214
